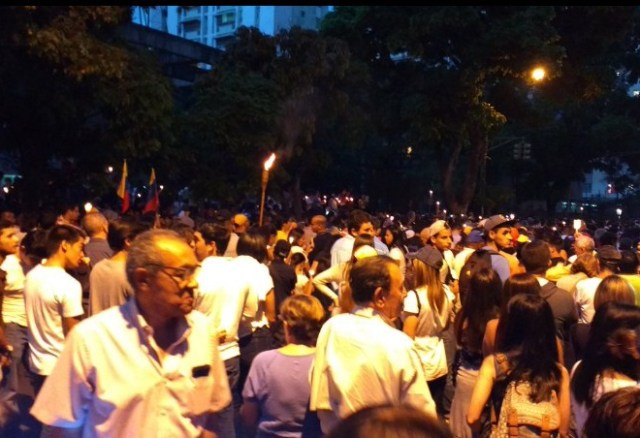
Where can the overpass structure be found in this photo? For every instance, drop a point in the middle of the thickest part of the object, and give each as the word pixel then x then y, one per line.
pixel 182 60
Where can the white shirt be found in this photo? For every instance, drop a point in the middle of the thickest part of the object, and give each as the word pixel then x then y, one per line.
pixel 342 249
pixel 461 258
pixel 361 361
pixel 585 293
pixel 50 294
pixel 109 381
pixel 13 310
pixel 257 284
pixel 601 386
pixel 428 338
pixel 222 296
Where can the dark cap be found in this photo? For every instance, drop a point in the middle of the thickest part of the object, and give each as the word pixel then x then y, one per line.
pixel 282 248
pixel 428 255
pixel 475 236
pixel 496 221
pixel 609 253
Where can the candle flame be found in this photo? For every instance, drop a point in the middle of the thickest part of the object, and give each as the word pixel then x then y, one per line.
pixel 269 162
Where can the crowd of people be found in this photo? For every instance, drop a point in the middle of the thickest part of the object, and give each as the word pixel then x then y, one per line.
pixel 354 325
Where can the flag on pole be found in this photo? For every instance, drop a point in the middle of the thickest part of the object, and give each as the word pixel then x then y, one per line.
pixel 123 190
pixel 153 198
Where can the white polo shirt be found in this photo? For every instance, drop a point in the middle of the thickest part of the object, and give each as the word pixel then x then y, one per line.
pixel 109 381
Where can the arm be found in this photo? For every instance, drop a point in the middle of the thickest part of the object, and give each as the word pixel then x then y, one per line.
pixel 322 280
pixel 560 351
pixel 270 307
pixel 68 323
pixel 250 413
pixel 489 339
pixel 564 400
pixel 410 325
pixel 481 393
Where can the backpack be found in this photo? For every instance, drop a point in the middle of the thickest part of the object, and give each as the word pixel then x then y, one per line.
pixel 519 410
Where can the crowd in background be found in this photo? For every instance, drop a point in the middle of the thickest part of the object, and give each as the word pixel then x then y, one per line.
pixel 324 325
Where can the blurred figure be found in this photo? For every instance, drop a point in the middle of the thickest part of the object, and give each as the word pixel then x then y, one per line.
pixel 388 421
pixel 615 415
pixel 611 358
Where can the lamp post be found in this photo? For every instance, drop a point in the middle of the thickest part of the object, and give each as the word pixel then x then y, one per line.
pixel 265 179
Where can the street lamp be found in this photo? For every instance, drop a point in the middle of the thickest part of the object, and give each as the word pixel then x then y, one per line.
pixel 265 179
pixel 538 74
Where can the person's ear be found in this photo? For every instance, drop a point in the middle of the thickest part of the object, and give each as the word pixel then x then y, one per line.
pixel 141 278
pixel 379 297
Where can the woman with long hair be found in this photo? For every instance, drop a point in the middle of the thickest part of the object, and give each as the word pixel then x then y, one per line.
pixel 517 284
pixel 393 237
pixel 427 313
pixel 526 363
pixel 611 359
pixel 613 288
pixel 482 303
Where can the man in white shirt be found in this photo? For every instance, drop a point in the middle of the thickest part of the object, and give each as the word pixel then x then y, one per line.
pixel 358 224
pixel 53 299
pixel 13 334
pixel 224 287
pixel 361 358
pixel 150 367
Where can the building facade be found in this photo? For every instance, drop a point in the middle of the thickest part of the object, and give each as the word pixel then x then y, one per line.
pixel 215 26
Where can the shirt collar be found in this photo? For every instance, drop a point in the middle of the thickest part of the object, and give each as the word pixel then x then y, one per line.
pixel 138 321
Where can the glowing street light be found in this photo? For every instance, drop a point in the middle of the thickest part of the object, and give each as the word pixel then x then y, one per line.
pixel 538 74
pixel 265 179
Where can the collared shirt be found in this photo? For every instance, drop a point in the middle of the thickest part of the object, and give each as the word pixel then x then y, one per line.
pixel 342 249
pixel 361 361
pixel 110 381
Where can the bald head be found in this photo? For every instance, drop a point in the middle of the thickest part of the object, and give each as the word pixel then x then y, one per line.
pixel 96 225
pixel 240 223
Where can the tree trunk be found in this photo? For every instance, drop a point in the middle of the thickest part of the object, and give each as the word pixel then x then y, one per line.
pixel 459 202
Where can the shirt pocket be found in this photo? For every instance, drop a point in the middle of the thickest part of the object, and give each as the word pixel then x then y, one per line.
pixel 200 395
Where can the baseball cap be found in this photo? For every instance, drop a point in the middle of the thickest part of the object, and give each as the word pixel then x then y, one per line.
pixel 365 251
pixel 282 248
pixel 609 252
pixel 475 236
pixel 428 255
pixel 437 227
pixel 496 221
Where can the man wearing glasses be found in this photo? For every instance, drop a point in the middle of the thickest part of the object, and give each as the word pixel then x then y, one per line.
pixel 147 368
pixel 239 225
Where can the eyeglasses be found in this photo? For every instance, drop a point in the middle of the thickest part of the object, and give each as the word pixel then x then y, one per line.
pixel 179 275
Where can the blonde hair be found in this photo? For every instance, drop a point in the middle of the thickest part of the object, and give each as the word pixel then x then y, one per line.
pixel 304 316
pixel 613 288
pixel 429 277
